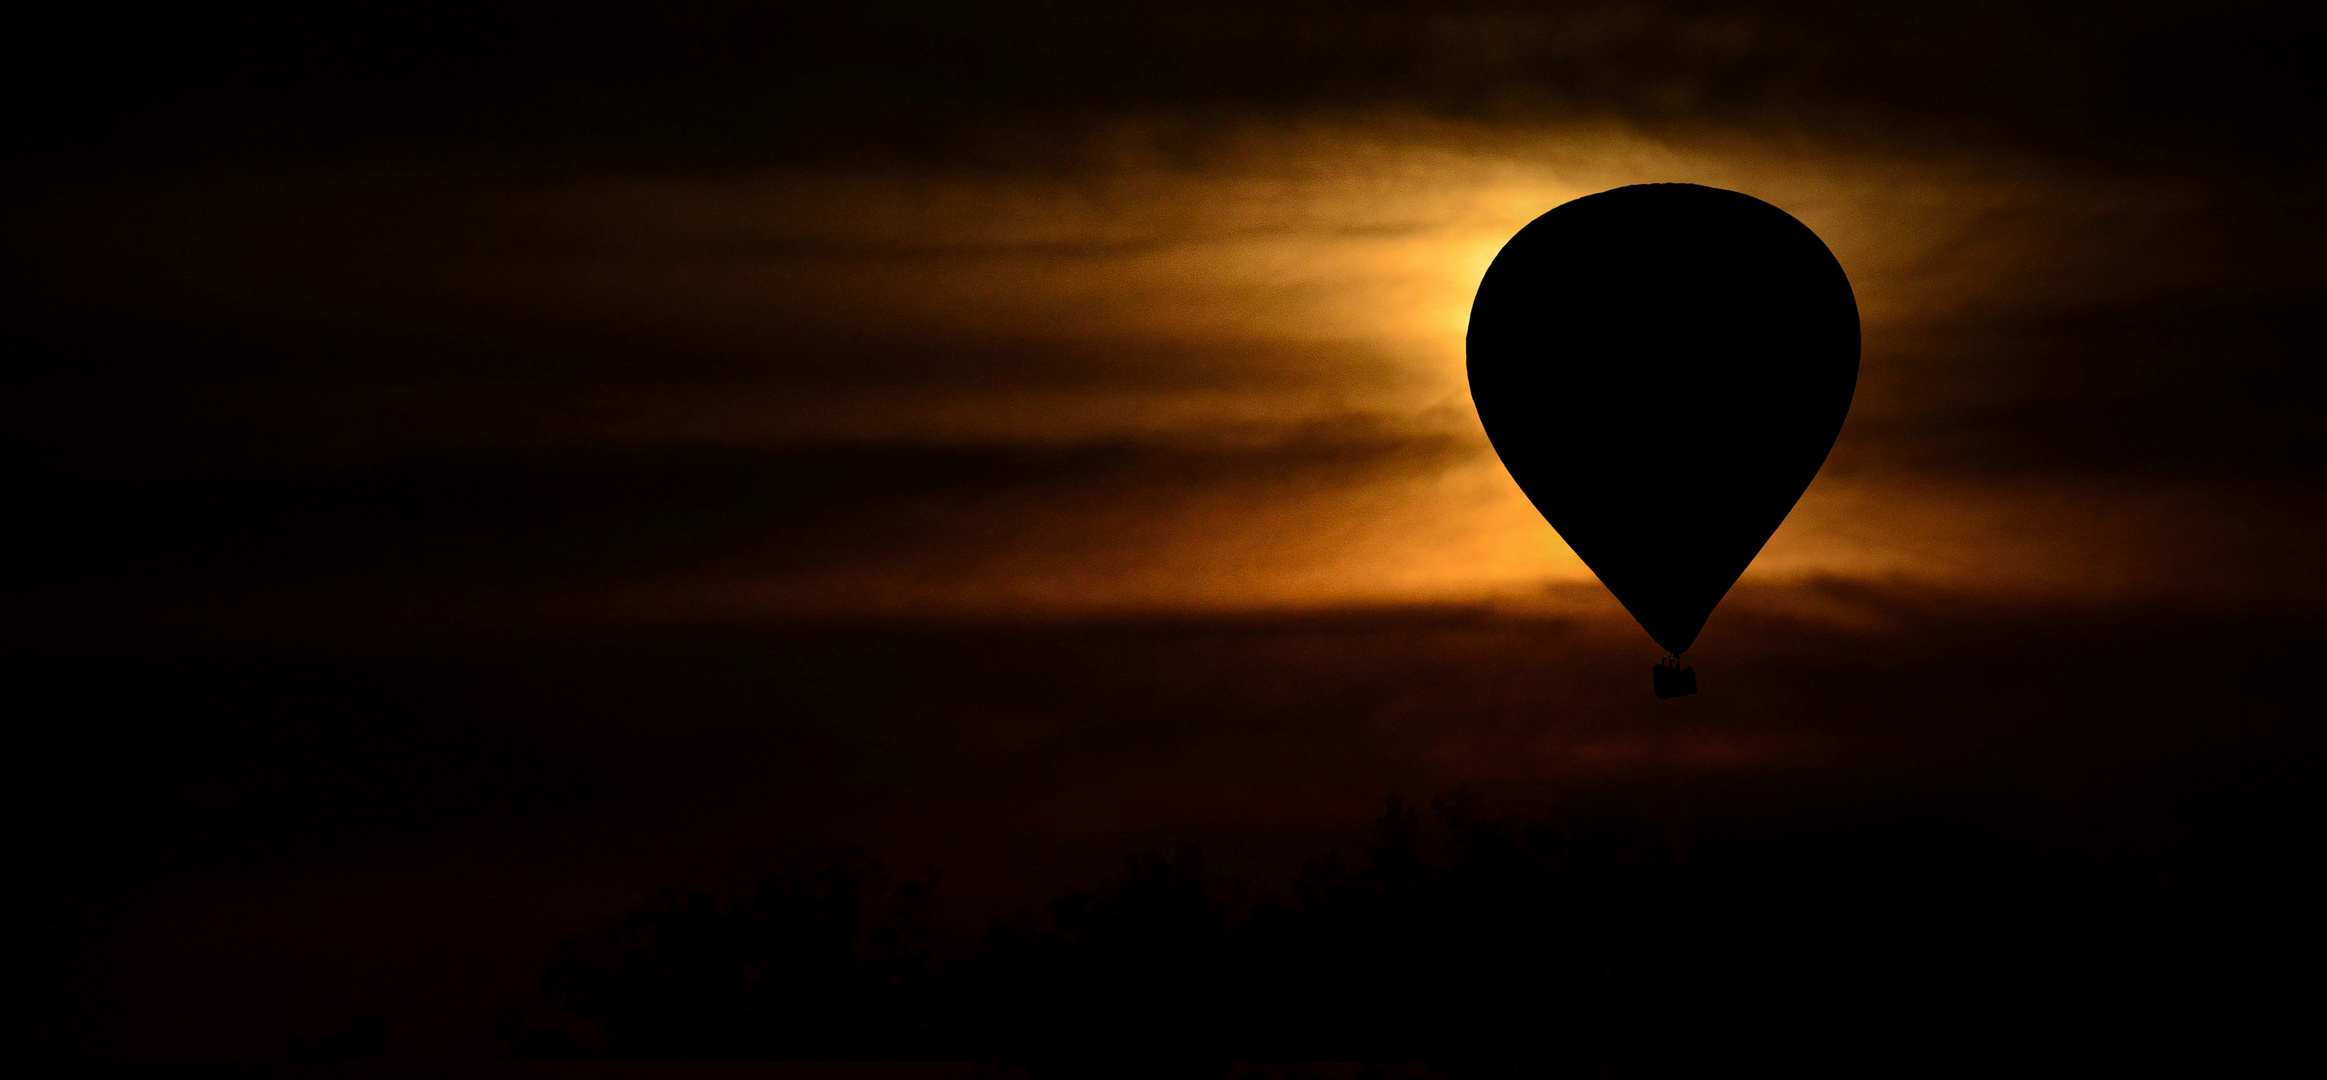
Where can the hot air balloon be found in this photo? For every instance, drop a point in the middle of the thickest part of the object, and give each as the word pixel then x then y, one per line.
pixel 1663 369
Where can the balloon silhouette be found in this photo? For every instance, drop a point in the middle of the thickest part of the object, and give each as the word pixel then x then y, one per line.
pixel 1663 368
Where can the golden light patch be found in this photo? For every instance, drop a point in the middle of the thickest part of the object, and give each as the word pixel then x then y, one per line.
pixel 1290 280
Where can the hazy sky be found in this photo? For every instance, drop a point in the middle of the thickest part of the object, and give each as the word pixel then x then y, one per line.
pixel 1158 308
pixel 1070 399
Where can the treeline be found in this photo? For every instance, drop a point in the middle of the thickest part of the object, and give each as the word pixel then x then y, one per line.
pixel 1457 933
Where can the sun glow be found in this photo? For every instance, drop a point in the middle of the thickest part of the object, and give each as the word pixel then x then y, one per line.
pixel 1294 299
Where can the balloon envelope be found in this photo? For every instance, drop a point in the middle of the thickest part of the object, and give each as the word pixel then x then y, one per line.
pixel 1663 368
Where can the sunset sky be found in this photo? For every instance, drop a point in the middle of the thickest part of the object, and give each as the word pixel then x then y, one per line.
pixel 472 465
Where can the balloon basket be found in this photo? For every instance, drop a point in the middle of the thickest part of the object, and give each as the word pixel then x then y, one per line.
pixel 1673 680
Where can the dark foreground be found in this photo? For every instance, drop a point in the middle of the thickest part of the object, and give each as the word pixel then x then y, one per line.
pixel 1907 822
pixel 1458 933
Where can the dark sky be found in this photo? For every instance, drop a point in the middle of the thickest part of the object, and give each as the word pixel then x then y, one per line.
pixel 472 464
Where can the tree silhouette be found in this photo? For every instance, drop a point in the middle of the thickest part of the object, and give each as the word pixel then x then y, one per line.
pixel 1568 941
pixel 800 965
